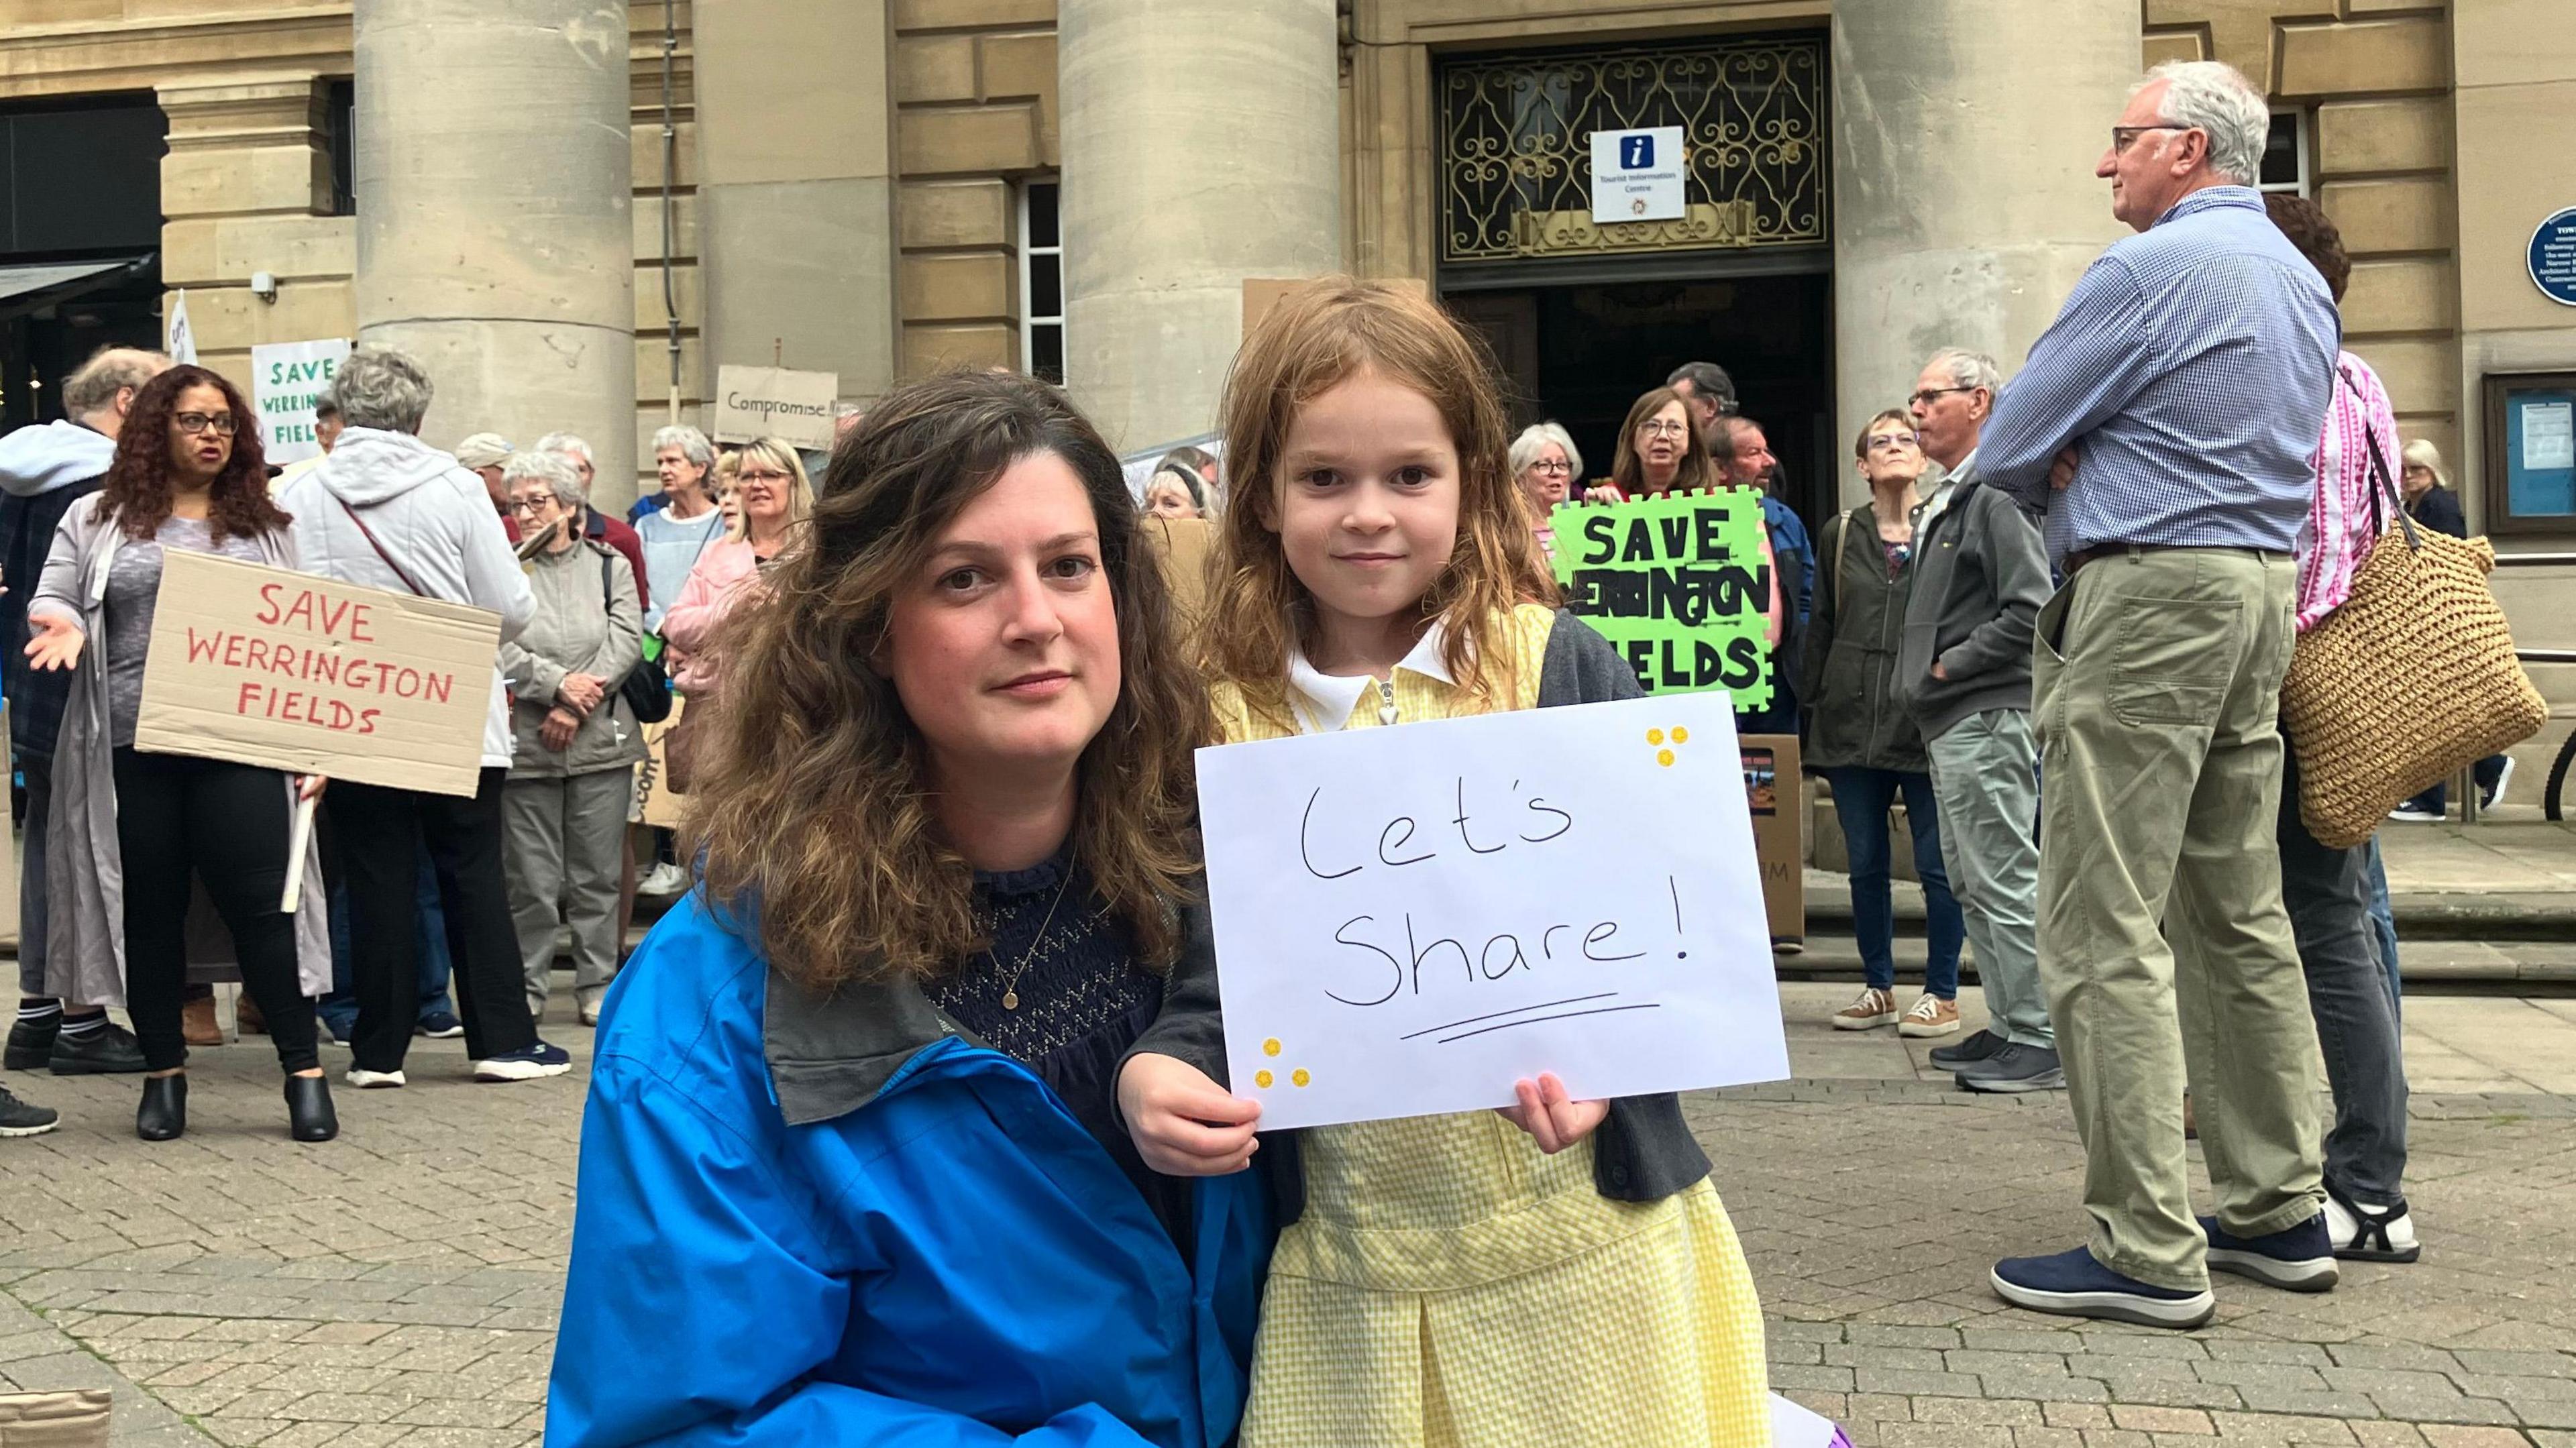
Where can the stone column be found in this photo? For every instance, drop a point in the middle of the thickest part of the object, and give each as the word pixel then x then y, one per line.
pixel 1202 148
pixel 496 243
pixel 795 187
pixel 1965 206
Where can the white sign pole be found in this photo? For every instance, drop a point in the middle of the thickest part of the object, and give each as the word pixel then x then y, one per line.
pixel 1409 920
pixel 181 339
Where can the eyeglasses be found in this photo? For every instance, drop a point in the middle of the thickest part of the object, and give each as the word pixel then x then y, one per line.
pixel 1556 465
pixel 193 423
pixel 533 505
pixel 751 477
pixel 1661 427
pixel 2123 137
pixel 1891 441
pixel 1924 396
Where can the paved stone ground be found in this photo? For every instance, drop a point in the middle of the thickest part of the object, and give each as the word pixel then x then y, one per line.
pixel 400 1284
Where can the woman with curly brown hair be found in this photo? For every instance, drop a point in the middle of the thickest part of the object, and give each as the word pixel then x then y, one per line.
pixel 130 827
pixel 852 1105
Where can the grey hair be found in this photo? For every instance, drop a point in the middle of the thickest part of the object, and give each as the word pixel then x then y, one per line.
pixel 692 444
pixel 1708 380
pixel 2215 97
pixel 1538 435
pixel 382 388
pixel 565 443
pixel 1970 369
pixel 549 468
pixel 109 371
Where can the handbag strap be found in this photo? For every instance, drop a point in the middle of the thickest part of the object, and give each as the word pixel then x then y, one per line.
pixel 2383 492
pixel 378 545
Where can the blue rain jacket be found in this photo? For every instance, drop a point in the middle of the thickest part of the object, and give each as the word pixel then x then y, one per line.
pixel 838 1220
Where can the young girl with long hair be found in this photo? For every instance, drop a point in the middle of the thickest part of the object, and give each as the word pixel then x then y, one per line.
pixel 1560 1272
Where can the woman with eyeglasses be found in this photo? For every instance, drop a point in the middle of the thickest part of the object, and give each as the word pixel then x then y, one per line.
pixel 1863 741
pixel 574 738
pixel 1660 451
pixel 1545 464
pixel 130 830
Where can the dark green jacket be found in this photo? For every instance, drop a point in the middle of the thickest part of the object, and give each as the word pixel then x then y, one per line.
pixel 1847 673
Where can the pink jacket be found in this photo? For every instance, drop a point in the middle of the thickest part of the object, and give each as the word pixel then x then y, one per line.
pixel 714 586
pixel 2341 528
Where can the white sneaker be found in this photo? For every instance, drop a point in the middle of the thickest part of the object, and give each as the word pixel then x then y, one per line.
pixel 2414 816
pixel 2504 777
pixel 375 1080
pixel 2371 1234
pixel 662 880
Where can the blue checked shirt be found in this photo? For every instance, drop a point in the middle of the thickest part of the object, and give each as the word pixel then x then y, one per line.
pixel 2190 369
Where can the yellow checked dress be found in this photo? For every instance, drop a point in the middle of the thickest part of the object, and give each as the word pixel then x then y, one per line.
pixel 1449 1284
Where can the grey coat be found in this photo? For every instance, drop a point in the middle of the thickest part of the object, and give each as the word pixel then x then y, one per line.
pixel 85 883
pixel 586 622
pixel 1980 577
pixel 1643 1151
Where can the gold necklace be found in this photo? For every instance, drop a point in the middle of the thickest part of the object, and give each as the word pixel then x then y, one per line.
pixel 1010 984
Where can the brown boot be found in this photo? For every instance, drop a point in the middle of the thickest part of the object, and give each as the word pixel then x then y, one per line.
pixel 246 1016
pixel 197 1022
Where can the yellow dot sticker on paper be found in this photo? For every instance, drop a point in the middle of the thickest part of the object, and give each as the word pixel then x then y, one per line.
pixel 1270 1047
pixel 1664 757
pixel 1680 735
pixel 1654 736
pixel 1299 1076
pixel 1262 1079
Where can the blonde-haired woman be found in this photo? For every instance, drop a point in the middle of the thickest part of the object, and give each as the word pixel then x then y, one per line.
pixel 771 502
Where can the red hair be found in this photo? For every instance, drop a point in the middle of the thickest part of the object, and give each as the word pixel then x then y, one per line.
pixel 137 489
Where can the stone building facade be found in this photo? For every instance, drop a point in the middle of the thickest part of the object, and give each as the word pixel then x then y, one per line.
pixel 879 188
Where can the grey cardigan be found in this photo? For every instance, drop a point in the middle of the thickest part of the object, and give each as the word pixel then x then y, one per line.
pixel 1980 577
pixel 1643 1152
pixel 85 886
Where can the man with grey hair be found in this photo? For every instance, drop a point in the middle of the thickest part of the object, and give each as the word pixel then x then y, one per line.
pixel 1708 392
pixel 1963 672
pixel 43 471
pixel 2166 424
pixel 386 510
pixel 677 449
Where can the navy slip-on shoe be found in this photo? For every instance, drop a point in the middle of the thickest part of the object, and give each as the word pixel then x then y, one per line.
pixel 2072 1284
pixel 2299 1259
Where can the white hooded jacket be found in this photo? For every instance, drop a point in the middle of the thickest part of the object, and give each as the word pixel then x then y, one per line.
pixel 37 460
pixel 434 520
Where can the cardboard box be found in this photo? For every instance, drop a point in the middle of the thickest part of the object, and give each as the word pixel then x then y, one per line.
pixel 1775 790
pixel 1181 546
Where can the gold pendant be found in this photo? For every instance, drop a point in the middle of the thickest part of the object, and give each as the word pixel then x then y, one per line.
pixel 1010 1000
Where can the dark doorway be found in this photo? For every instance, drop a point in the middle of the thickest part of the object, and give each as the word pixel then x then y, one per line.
pixel 1581 354
pixel 80 232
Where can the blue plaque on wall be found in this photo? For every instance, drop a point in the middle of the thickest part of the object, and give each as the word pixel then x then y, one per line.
pixel 2553 258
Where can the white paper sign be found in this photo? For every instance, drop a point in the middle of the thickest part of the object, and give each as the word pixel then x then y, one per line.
pixel 757 402
pixel 1793 1426
pixel 2548 436
pixel 287 379
pixel 180 339
pixel 1637 175
pixel 1411 919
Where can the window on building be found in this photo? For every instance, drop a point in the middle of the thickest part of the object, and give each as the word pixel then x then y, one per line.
pixel 2285 155
pixel 1041 281
pixel 340 117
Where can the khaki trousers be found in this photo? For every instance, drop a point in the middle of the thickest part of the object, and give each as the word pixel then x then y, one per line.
pixel 1983 773
pixel 2163 944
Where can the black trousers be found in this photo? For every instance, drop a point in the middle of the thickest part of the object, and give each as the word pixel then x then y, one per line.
pixel 379 834
pixel 226 824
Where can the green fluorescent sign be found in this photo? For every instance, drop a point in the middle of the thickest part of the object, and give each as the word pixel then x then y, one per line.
pixel 1678 586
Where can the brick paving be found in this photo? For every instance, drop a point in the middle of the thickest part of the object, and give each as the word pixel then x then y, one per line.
pixel 400 1285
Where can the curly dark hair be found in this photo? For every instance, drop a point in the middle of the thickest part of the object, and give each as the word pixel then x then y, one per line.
pixel 138 481
pixel 812 803
pixel 2316 236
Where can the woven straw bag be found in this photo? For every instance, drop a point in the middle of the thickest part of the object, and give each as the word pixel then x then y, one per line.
pixel 2412 678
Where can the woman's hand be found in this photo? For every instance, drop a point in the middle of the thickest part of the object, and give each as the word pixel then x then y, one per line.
pixel 310 786
pixel 581 693
pixel 57 642
pixel 1604 493
pixel 1548 1114
pixel 557 732
pixel 1185 1124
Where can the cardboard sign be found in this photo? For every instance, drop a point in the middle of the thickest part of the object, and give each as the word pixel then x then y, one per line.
pixel 1678 585
pixel 793 407
pixel 1409 920
pixel 1181 546
pixel 287 379
pixel 1776 794
pixel 292 671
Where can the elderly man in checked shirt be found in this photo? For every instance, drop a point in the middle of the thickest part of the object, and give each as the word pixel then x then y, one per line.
pixel 2167 424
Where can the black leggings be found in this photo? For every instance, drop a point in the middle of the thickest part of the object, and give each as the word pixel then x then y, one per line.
pixel 227 823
